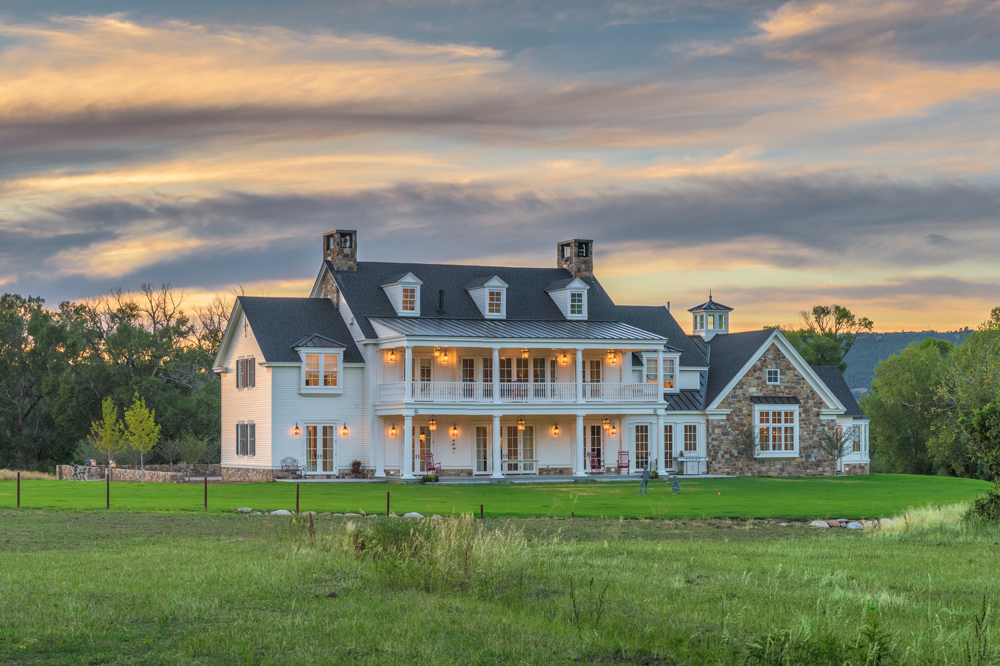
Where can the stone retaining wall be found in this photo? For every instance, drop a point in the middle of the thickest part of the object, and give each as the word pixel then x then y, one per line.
pixel 192 470
pixel 65 473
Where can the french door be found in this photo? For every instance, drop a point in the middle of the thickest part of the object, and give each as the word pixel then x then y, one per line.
pixel 484 444
pixel 668 446
pixel 595 445
pixel 642 445
pixel 593 374
pixel 421 446
pixel 319 448
pixel 423 374
pixel 519 445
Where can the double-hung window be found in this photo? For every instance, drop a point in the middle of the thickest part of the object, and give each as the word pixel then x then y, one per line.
pixel 778 431
pixel 409 301
pixel 669 372
pixel 495 305
pixel 246 373
pixel 321 371
pixel 690 438
pixel 576 302
pixel 246 438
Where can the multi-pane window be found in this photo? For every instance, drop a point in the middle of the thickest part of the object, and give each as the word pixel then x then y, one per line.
pixel 856 439
pixel 495 302
pixel 722 321
pixel 487 370
pixel 468 369
pixel 522 370
pixel 597 443
pixel 711 321
pixel 668 445
pixel 246 438
pixel 651 371
pixel 690 438
pixel 777 430
pixel 641 446
pixel 506 372
pixel 773 376
pixel 409 303
pixel 668 373
pixel 576 303
pixel 321 370
pixel 312 369
pixel 329 370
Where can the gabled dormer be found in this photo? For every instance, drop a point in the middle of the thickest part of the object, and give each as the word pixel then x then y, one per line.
pixel 404 293
pixel 322 359
pixel 490 295
pixel 570 296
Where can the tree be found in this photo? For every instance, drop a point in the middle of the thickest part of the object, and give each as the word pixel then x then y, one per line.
pixel 983 426
pixel 143 432
pixel 746 442
pixel 836 444
pixel 107 435
pixel 828 334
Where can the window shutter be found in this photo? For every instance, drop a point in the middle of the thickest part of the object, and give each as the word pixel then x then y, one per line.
pixel 252 367
pixel 237 439
pixel 252 439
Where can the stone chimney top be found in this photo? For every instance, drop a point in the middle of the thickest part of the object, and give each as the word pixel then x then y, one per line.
pixel 577 256
pixel 340 248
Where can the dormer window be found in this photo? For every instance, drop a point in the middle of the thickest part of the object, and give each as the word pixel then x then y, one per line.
pixel 490 296
pixel 409 303
pixel 576 302
pixel 321 370
pixel 403 292
pixel 570 296
pixel 495 302
pixel 322 359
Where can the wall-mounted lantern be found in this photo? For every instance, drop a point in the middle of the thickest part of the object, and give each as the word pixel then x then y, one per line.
pixel 296 430
pixel 392 430
pixel 344 431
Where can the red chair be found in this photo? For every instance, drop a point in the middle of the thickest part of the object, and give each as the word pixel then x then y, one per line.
pixel 431 467
pixel 623 461
pixel 596 465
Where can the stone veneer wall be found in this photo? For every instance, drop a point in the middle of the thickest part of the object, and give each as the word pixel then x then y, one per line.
pixel 723 459
pixel 555 471
pixel 853 469
pixel 245 474
pixel 65 473
pixel 329 289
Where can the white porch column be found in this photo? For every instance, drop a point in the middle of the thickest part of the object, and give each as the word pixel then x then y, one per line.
pixel 378 443
pixel 408 375
pixel 496 380
pixel 578 466
pixel 659 374
pixel 497 453
pixel 579 374
pixel 661 464
pixel 407 442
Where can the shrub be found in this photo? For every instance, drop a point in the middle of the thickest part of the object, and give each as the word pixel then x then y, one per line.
pixel 654 474
pixel 987 507
pixel 429 478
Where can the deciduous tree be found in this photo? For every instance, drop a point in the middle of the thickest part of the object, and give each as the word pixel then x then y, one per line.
pixel 142 432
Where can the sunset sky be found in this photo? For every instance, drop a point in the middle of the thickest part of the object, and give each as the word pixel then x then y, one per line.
pixel 781 154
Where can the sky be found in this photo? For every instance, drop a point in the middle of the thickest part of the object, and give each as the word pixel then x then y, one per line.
pixel 781 154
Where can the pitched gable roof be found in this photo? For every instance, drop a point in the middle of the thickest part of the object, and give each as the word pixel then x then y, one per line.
pixel 281 323
pixel 729 353
pixel 657 319
pixel 834 380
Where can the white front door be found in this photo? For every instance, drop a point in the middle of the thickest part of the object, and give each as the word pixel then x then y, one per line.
pixel 320 448
pixel 595 447
pixel 593 374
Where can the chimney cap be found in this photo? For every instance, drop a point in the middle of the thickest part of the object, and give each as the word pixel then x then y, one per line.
pixel 341 231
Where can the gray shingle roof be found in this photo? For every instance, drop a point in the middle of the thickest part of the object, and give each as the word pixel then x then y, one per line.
pixel 500 328
pixel 559 284
pixel 657 319
pixel 834 380
pixel 279 323
pixel 526 297
pixel 479 282
pixel 729 353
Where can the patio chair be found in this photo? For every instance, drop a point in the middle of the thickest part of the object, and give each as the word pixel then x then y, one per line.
pixel 624 461
pixel 291 468
pixel 596 464
pixel 431 467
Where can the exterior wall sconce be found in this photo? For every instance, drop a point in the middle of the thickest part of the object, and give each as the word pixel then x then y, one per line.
pixel 606 423
pixel 520 423
pixel 525 352
pixel 344 431
pixel 564 359
pixel 612 357
pixel 444 356
pixel 454 430
pixel 555 430
pixel 392 356
pixel 392 430
pixel 614 430
pixel 432 424
pixel 437 351
pixel 296 430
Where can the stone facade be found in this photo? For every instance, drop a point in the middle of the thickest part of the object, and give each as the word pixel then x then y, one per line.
pixel 65 473
pixel 245 474
pixel 555 471
pixel 723 459
pixel 853 469
pixel 334 250
pixel 580 267
pixel 329 289
pixel 453 472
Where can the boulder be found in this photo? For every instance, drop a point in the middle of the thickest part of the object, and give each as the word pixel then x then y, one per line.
pixel 855 526
pixel 412 514
pixel 819 523
pixel 885 522
pixel 281 512
pixel 833 523
pixel 244 509
pixel 352 514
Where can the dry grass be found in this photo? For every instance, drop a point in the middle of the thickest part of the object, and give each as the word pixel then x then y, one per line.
pixel 11 475
pixel 926 519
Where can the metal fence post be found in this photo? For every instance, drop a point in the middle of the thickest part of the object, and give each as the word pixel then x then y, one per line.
pixel 18 490
pixel 206 492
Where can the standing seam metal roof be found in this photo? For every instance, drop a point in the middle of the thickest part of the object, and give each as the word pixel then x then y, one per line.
pixel 505 328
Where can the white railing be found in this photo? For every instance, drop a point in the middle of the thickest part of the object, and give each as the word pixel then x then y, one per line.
pixel 511 467
pixel 515 392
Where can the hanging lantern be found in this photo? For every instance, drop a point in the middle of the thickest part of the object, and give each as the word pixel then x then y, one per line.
pixel 555 430
pixel 612 357
pixel 392 430
pixel 454 430
pixel 444 356
pixel 564 359
pixel 437 351
pixel 525 352
pixel 520 423
pixel 392 356
pixel 343 431
pixel 432 424
pixel 607 423
pixel 296 431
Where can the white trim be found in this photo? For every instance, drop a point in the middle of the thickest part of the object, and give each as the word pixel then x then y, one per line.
pixel 322 352
pixel 767 376
pixel 757 409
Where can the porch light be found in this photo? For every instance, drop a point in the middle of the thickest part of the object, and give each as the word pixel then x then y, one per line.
pixel 437 351
pixel 555 430
pixel 564 359
pixel 392 356
pixel 520 423
pixel 612 358
pixel 444 356
pixel 614 430
pixel 432 424
pixel 607 423
pixel 344 431
pixel 296 430
pixel 525 352
pixel 454 430
pixel 392 430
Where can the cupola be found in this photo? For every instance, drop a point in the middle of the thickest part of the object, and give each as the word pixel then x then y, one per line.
pixel 710 318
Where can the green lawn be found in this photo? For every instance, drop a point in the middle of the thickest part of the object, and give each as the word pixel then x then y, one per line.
pixel 792 498
pixel 134 588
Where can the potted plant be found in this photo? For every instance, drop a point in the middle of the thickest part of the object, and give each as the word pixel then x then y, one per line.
pixel 355 468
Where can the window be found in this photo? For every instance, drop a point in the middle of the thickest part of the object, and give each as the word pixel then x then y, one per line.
pixel 567 251
pixel 329 370
pixel 505 370
pixel 668 373
pixel 246 438
pixel 487 370
pixel 321 371
pixel 522 370
pixel 468 370
pixel 597 443
pixel 409 303
pixel 246 373
pixel 711 321
pixel 690 438
pixel 345 241
pixel 641 446
pixel 856 439
pixel 773 376
pixel 239 373
pixel 651 371
pixel 312 369
pixel 778 431
pixel 668 446
pixel 496 302
pixel 722 321
pixel 576 303
pixel 583 250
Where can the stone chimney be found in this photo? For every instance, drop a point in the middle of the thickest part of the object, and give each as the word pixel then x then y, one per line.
pixel 576 256
pixel 340 248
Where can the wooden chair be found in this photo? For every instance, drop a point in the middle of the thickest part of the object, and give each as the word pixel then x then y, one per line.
pixel 596 464
pixel 431 467
pixel 624 461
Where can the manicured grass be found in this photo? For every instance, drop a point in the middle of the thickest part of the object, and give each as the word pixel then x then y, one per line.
pixel 791 498
pixel 133 588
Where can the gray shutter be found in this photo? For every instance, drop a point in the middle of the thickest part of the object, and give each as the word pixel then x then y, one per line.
pixel 252 439
pixel 238 439
pixel 252 367
pixel 239 373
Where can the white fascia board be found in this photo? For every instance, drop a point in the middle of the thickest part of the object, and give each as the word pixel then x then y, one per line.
pixel 530 343
pixel 282 364
pixel 317 289
pixel 494 281
pixel 227 337
pixel 443 409
pixel 694 368
pixel 800 364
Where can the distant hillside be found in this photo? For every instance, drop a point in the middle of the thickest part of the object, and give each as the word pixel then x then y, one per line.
pixel 870 348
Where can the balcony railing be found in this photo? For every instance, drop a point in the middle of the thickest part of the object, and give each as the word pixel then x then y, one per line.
pixel 514 392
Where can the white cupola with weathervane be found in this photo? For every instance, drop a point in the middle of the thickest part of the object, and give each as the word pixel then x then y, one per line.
pixel 710 318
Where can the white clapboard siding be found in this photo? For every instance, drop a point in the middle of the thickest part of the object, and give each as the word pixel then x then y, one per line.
pixel 688 379
pixel 247 404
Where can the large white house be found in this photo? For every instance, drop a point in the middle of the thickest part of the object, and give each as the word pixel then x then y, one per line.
pixel 501 372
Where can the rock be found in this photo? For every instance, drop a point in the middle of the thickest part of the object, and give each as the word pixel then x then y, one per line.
pixel 819 523
pixel 338 514
pixel 256 513
pixel 244 509
pixel 308 513
pixel 833 523
pixel 352 514
pixel 885 522
pixel 281 512
pixel 437 517
pixel 855 526
pixel 412 514
pixel 784 524
pixel 325 513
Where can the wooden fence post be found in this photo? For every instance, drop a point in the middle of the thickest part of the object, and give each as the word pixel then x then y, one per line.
pixel 108 479
pixel 206 491
pixel 297 497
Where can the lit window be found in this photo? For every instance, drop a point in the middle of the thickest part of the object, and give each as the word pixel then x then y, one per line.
pixel 668 373
pixel 777 431
pixel 722 321
pixel 668 446
pixel 711 321
pixel 409 299
pixel 496 302
pixel 651 371
pixel 320 371
pixel 773 376
pixel 330 370
pixel 312 369
pixel 576 303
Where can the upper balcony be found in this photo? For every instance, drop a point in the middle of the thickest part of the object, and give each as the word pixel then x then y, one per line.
pixel 516 392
